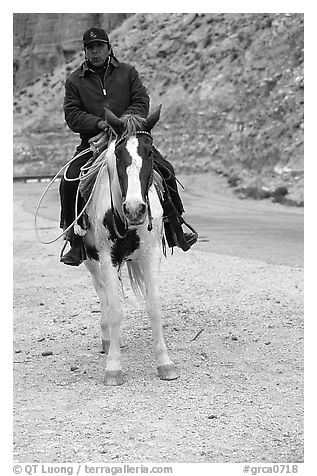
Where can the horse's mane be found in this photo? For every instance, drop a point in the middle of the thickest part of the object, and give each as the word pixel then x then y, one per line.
pixel 132 124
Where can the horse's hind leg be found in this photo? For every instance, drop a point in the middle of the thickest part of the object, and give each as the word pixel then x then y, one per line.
pixel 94 269
pixel 166 368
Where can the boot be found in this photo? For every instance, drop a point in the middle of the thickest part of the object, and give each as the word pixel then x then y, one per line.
pixel 77 254
pixel 176 237
pixel 173 228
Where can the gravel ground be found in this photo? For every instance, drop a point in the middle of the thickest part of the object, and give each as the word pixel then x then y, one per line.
pixel 234 327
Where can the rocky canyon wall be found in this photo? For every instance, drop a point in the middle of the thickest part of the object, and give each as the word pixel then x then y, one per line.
pixel 41 41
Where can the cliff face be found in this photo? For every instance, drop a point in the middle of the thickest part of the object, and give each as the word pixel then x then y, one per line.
pixel 41 41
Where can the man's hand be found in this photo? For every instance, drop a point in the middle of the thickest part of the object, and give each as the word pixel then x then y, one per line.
pixel 97 138
pixel 99 142
pixel 102 125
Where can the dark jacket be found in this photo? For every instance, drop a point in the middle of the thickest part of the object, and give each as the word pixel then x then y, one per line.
pixel 87 94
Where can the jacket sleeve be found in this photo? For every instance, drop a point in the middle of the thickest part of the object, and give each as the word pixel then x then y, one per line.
pixel 139 98
pixel 76 118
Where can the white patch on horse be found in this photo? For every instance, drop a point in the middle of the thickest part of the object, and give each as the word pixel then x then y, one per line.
pixel 133 171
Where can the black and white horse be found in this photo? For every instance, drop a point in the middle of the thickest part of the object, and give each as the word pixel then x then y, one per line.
pixel 125 226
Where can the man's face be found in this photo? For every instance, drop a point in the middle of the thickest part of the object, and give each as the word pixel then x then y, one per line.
pixel 97 53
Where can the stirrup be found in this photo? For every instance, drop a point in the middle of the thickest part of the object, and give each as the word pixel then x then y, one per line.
pixel 176 237
pixel 191 228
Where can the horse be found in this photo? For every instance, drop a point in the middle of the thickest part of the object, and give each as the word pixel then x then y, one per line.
pixel 125 227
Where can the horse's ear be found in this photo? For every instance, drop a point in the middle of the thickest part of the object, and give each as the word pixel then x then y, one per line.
pixel 114 122
pixel 153 119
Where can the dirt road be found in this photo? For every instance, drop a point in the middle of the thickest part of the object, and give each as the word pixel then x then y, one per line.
pixel 240 394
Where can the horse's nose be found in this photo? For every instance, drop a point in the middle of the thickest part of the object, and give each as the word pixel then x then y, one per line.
pixel 134 212
pixel 141 209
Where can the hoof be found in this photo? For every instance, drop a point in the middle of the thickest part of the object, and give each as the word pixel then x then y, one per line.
pixel 167 372
pixel 113 377
pixel 105 346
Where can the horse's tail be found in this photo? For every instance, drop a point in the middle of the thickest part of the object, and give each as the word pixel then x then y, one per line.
pixel 136 278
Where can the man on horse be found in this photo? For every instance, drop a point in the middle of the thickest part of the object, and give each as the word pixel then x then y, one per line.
pixel 104 82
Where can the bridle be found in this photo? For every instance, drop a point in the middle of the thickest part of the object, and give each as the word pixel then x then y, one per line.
pixel 119 141
pixel 137 133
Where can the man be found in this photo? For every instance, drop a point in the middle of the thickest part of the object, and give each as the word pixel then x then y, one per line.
pixel 102 81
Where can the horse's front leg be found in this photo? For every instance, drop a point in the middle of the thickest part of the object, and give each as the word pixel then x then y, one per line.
pixel 111 299
pixel 166 368
pixel 94 269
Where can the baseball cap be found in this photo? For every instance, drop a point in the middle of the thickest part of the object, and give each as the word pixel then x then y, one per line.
pixel 95 34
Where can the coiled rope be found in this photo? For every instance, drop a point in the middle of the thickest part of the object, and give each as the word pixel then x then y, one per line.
pixel 85 172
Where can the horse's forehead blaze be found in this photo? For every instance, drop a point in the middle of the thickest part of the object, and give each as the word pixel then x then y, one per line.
pixel 139 151
pixel 134 166
pixel 124 160
pixel 130 165
pixel 133 150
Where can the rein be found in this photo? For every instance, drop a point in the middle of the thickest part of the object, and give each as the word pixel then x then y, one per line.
pixel 124 137
pixel 150 181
